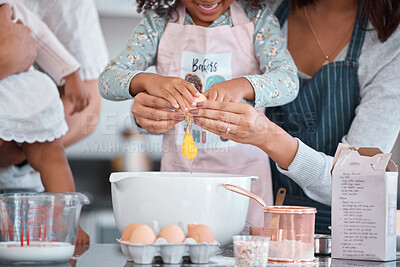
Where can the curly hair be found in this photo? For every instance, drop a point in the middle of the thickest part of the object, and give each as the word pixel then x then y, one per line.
pixel 163 7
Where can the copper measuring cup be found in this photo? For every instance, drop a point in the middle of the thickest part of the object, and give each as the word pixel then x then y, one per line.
pixel 291 229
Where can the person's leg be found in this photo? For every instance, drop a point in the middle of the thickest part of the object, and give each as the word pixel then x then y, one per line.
pixel 49 160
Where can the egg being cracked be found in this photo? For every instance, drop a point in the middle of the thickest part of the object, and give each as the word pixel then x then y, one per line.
pixel 201 233
pixel 126 234
pixel 173 234
pixel 142 234
pixel 201 98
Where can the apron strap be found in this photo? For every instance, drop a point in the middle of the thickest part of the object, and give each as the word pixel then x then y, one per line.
pixel 282 12
pixel 357 37
pixel 238 15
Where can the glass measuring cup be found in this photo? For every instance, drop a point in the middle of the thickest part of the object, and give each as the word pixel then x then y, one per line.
pixel 39 226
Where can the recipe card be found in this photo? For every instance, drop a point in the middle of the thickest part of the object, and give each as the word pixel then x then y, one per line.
pixel 364 202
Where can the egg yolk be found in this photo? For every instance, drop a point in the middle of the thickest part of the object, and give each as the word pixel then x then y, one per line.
pixel 189 148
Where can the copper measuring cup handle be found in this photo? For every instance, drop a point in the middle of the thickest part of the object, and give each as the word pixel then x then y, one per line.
pixel 244 192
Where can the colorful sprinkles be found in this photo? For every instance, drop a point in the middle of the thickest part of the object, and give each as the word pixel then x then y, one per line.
pixel 251 250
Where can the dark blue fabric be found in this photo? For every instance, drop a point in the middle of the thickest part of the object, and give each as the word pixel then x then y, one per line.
pixel 320 115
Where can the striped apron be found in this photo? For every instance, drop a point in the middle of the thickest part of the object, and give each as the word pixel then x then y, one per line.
pixel 320 115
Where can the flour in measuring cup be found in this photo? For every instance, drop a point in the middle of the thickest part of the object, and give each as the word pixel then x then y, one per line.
pixel 291 250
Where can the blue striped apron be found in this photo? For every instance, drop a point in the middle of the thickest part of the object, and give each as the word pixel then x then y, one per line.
pixel 320 115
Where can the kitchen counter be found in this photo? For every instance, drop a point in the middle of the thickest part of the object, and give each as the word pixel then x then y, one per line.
pixel 110 255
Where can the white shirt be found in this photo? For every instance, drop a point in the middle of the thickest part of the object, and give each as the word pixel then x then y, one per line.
pixel 76 24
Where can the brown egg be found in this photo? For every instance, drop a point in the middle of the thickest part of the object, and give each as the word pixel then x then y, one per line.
pixel 142 234
pixel 173 234
pixel 126 234
pixel 201 233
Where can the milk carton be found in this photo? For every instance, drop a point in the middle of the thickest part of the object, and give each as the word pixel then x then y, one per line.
pixel 364 202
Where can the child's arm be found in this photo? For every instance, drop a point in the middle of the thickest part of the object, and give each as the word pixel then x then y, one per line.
pixel 278 85
pixel 120 79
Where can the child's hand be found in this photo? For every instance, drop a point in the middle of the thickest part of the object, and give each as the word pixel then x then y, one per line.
pixel 82 238
pixel 76 91
pixel 230 91
pixel 175 90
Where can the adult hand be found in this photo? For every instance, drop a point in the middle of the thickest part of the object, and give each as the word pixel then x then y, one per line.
pixel 246 124
pixel 151 112
pixel 177 91
pixel 231 91
pixel 17 46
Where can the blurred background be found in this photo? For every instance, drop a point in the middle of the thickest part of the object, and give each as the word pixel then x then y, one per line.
pixel 114 146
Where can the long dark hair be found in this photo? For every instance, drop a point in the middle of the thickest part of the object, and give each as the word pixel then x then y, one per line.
pixel 166 6
pixel 384 15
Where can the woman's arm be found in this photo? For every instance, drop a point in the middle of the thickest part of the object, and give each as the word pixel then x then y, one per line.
pixel 376 124
pixel 249 126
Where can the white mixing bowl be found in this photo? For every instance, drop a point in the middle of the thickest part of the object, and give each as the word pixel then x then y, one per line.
pixel 168 198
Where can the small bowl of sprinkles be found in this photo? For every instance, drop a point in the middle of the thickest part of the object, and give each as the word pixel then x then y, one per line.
pixel 250 250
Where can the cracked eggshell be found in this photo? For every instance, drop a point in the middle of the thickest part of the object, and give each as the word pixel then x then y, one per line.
pixel 201 98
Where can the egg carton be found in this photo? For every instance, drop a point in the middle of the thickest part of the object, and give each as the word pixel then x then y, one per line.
pixel 199 253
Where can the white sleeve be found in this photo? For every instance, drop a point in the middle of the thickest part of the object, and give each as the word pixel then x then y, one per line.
pixel 52 56
pixel 76 24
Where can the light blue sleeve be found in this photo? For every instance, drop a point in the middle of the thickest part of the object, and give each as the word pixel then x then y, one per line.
pixel 278 85
pixel 139 53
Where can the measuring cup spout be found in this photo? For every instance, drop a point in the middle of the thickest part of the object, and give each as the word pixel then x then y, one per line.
pixel 83 199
